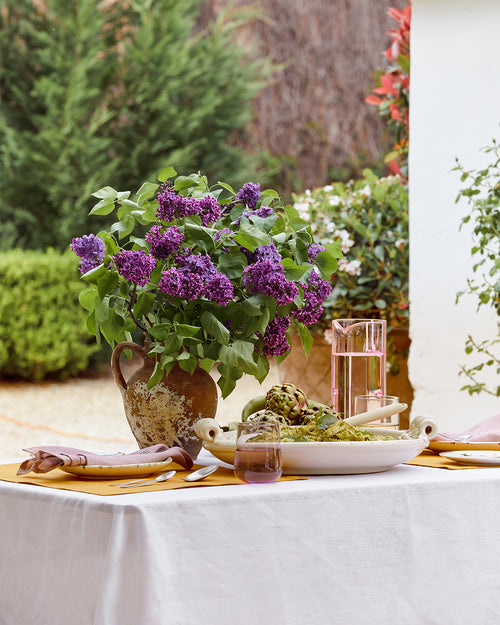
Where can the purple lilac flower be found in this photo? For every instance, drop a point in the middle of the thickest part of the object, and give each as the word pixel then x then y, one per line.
pixel 175 206
pixel 268 277
pixel 308 313
pixel 199 264
pixel 314 250
pixel 219 289
pixel 287 291
pixel 170 204
pixel 318 288
pixel 248 194
pixel 171 282
pixel 315 293
pixel 275 341
pixel 90 249
pixel 195 276
pixel 208 209
pixel 134 266
pixel 263 252
pixel 266 252
pixel 180 283
pixel 164 243
pixel 256 276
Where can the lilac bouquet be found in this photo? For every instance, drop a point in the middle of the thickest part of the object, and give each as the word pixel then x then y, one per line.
pixel 209 275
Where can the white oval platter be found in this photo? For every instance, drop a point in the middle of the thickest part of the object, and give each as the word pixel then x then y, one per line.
pixel 327 458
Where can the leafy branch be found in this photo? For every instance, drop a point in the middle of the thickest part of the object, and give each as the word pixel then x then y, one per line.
pixel 483 197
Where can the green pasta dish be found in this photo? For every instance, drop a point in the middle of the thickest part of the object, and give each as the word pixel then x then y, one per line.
pixel 338 431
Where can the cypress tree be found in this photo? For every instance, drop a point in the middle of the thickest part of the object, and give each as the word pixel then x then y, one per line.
pixel 108 93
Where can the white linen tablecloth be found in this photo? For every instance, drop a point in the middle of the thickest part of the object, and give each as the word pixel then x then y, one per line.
pixel 411 546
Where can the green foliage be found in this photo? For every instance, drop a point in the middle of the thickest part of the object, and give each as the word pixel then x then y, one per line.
pixel 42 327
pixel 369 218
pixel 482 194
pixel 106 92
pixel 175 303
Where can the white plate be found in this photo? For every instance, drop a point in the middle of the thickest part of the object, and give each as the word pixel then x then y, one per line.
pixel 486 457
pixel 95 471
pixel 463 446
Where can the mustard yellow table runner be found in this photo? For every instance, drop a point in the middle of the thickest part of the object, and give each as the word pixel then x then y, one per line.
pixel 65 481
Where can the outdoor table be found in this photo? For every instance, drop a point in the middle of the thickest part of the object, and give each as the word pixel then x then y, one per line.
pixel 410 546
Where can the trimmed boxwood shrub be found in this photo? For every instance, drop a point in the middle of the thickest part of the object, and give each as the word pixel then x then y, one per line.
pixel 42 325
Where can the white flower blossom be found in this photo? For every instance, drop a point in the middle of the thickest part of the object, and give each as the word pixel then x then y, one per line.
pixel 345 240
pixel 365 191
pixel 400 243
pixel 353 267
pixel 303 210
pixel 327 188
pixel 330 226
pixel 334 200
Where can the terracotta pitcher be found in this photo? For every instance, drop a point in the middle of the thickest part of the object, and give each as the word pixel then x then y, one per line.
pixel 167 412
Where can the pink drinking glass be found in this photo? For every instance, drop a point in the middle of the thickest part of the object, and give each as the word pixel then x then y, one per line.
pixel 257 456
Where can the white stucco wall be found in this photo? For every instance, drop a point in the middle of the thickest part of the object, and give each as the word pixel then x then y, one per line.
pixel 454 111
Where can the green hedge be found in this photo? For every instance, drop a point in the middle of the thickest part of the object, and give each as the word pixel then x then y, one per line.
pixel 42 325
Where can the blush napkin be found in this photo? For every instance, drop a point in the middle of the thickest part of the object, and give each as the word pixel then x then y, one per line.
pixel 487 431
pixel 48 457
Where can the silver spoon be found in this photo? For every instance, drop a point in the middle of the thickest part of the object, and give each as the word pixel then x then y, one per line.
pixel 202 473
pixel 160 478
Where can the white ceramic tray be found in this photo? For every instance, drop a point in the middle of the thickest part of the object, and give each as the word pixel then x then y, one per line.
pixel 332 458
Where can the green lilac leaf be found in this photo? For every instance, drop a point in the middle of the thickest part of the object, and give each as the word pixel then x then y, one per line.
pixel 292 270
pixel 87 299
pixel 250 237
pixel 187 331
pixel 104 207
pixel 213 327
pixel 305 337
pixel 147 190
pixel 145 302
pixel 107 283
pixel 166 173
pixel 232 265
pixel 156 376
pixel 106 193
pixel 326 264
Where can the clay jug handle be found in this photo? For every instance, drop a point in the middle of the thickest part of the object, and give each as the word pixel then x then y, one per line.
pixel 115 360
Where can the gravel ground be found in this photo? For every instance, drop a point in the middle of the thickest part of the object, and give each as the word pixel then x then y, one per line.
pixel 86 413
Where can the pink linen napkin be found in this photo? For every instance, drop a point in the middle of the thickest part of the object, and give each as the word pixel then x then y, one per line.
pixel 483 432
pixel 48 457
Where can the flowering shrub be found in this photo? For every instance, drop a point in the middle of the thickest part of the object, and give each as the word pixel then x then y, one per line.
pixel 209 275
pixel 392 94
pixel 369 220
